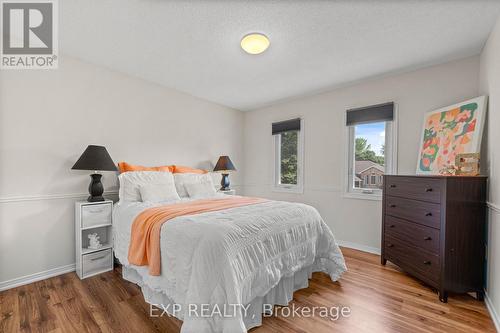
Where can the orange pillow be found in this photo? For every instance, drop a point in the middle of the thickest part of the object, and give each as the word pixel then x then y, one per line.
pixel 124 167
pixel 184 169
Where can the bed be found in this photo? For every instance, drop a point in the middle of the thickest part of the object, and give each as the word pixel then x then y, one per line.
pixel 219 268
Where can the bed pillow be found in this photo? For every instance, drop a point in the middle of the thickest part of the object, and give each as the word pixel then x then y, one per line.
pixel 189 178
pixel 184 169
pixel 200 190
pixel 130 183
pixel 158 192
pixel 126 167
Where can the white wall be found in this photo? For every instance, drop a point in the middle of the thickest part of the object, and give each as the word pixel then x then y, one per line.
pixel 47 119
pixel 353 221
pixel 490 85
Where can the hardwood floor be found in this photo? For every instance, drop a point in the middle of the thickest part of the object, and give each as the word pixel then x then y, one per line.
pixel 381 299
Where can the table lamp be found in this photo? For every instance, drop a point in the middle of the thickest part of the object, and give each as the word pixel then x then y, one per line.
pixel 95 158
pixel 224 166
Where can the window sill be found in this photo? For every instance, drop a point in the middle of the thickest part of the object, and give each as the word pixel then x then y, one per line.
pixel 363 196
pixel 296 190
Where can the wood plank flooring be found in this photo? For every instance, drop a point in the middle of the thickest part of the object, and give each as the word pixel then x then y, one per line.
pixel 381 299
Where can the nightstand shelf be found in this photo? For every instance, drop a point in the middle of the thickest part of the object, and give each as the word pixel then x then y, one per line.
pixel 97 226
pixel 104 247
pixel 90 218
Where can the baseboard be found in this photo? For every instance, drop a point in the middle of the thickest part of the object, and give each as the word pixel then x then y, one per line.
pixel 36 277
pixel 359 247
pixel 493 312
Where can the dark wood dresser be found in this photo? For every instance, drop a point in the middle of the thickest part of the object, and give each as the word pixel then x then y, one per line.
pixel 434 229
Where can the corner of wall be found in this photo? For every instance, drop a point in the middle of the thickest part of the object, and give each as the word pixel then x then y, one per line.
pixel 489 84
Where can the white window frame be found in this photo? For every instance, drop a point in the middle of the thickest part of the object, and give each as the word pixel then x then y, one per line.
pixel 391 158
pixel 290 188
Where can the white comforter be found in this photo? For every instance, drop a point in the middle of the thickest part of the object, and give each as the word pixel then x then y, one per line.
pixel 231 256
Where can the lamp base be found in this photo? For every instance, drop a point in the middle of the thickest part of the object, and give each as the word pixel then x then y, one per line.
pixel 95 188
pixel 224 182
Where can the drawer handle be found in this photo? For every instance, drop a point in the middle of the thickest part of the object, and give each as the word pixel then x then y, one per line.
pixel 428 214
pixel 427 262
pixel 392 226
pixel 392 205
pixel 392 186
pixel 428 238
pixel 98 258
pixel 390 245
pixel 100 211
pixel 428 189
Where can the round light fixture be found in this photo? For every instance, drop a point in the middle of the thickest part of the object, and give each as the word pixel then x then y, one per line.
pixel 255 43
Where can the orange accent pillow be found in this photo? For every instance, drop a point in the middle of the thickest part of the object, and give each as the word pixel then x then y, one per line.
pixel 184 169
pixel 125 167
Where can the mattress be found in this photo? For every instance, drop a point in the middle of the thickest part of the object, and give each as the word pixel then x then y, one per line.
pixel 236 259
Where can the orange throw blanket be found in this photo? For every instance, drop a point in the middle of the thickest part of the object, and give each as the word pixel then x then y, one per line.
pixel 144 246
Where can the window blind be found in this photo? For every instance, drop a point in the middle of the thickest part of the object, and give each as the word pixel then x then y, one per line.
pixel 287 125
pixel 370 114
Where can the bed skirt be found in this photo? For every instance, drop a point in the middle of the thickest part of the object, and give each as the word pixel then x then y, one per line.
pixel 281 294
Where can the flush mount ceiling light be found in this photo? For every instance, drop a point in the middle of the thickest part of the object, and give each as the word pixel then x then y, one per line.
pixel 255 43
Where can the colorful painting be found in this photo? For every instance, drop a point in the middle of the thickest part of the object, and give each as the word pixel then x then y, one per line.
pixel 449 131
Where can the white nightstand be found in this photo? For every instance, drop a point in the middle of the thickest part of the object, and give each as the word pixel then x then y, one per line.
pixel 93 217
pixel 228 192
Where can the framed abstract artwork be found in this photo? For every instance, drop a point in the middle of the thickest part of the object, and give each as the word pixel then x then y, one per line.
pixel 449 131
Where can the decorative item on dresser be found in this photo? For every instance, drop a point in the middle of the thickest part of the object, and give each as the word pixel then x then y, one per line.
pixel 95 158
pixel 94 254
pixel 434 228
pixel 224 165
pixel 459 126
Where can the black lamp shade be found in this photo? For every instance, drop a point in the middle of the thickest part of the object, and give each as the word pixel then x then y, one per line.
pixel 95 158
pixel 224 164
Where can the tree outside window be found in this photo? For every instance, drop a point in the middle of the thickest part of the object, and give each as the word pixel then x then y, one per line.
pixel 288 154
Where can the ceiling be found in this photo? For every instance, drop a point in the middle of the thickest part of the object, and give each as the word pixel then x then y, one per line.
pixel 194 46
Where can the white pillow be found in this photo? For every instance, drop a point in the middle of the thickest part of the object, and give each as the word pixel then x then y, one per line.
pixel 200 190
pixel 158 192
pixel 130 182
pixel 189 178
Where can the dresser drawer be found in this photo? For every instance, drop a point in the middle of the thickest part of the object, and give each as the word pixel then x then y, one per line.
pixel 93 215
pixel 425 213
pixel 426 189
pixel 97 262
pixel 412 233
pixel 421 263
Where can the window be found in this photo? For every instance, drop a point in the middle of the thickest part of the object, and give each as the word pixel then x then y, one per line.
pixel 370 150
pixel 288 155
